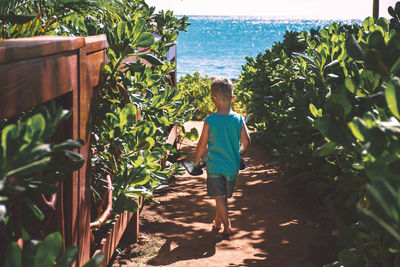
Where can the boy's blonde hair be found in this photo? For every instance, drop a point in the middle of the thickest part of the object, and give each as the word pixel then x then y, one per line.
pixel 223 87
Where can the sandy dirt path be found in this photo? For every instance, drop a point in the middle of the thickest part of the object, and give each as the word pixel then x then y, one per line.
pixel 274 227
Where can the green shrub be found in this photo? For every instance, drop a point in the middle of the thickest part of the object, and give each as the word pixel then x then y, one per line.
pixel 45 253
pixel 331 112
pixel 129 146
pixel 30 164
pixel 197 91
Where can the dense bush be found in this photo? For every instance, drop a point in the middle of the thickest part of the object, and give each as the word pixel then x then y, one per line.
pixel 330 111
pixel 31 165
pixel 197 92
pixel 136 106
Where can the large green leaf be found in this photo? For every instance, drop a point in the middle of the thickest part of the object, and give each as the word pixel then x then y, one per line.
pixel 125 203
pixel 332 129
pixel 48 250
pixel 95 261
pixel 149 58
pixel 383 212
pixel 375 40
pixel 30 168
pixel 310 60
pixel 394 42
pixel 368 22
pixel 349 83
pixel 392 94
pixel 348 258
pixel 121 29
pixel 37 125
pixel 383 23
pixel 378 170
pixel 146 39
pixel 146 143
pixel 325 150
pixel 66 166
pixel 381 198
pixel 8 142
pixel 69 144
pixel 163 121
pixel 138 29
pixel 358 128
pixel 391 11
pixel 35 209
pixel 29 253
pixel 160 176
pixel 339 104
pixel 353 48
pixel 127 115
pixel 13 256
pixel 68 258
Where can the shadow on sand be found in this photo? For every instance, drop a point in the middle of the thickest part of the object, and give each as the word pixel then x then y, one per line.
pixel 274 226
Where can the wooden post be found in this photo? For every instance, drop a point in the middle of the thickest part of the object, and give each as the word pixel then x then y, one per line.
pixel 91 57
pixel 375 9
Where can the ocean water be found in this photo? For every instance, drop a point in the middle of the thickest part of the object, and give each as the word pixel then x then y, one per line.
pixel 218 46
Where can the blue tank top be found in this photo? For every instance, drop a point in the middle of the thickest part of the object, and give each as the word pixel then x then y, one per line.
pixel 224 143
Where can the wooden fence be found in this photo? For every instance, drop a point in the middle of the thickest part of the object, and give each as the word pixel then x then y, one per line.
pixel 36 70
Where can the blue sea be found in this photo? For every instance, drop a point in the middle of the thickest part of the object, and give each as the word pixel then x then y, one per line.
pixel 218 45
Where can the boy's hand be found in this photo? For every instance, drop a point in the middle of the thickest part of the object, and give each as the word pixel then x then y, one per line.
pixel 242 164
pixel 197 171
pixel 191 168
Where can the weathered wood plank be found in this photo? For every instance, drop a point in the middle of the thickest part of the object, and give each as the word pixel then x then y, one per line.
pixel 12 50
pixel 96 43
pixel 91 58
pixel 110 242
pixel 29 83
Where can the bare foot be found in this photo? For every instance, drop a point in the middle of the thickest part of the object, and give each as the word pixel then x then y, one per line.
pixel 216 225
pixel 227 231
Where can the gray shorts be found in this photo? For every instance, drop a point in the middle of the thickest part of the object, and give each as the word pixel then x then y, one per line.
pixel 220 184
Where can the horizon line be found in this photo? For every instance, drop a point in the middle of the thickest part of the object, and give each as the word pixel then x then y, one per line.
pixel 273 17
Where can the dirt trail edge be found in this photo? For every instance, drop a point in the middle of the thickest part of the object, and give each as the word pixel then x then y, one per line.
pixel 273 226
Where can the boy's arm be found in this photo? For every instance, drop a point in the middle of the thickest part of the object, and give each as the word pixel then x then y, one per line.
pixel 202 144
pixel 244 137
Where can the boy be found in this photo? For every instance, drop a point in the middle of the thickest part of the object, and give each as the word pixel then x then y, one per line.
pixel 222 131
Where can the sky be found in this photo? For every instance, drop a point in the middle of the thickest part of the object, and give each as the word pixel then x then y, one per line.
pixel 311 9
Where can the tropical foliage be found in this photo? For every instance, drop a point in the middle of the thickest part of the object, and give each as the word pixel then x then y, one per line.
pixel 134 109
pixel 197 91
pixel 45 253
pixel 31 164
pixel 136 104
pixel 329 109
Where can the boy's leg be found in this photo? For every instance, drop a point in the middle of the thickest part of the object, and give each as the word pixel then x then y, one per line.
pixel 217 220
pixel 222 210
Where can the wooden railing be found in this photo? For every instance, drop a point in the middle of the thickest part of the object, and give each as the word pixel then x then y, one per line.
pixel 36 70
